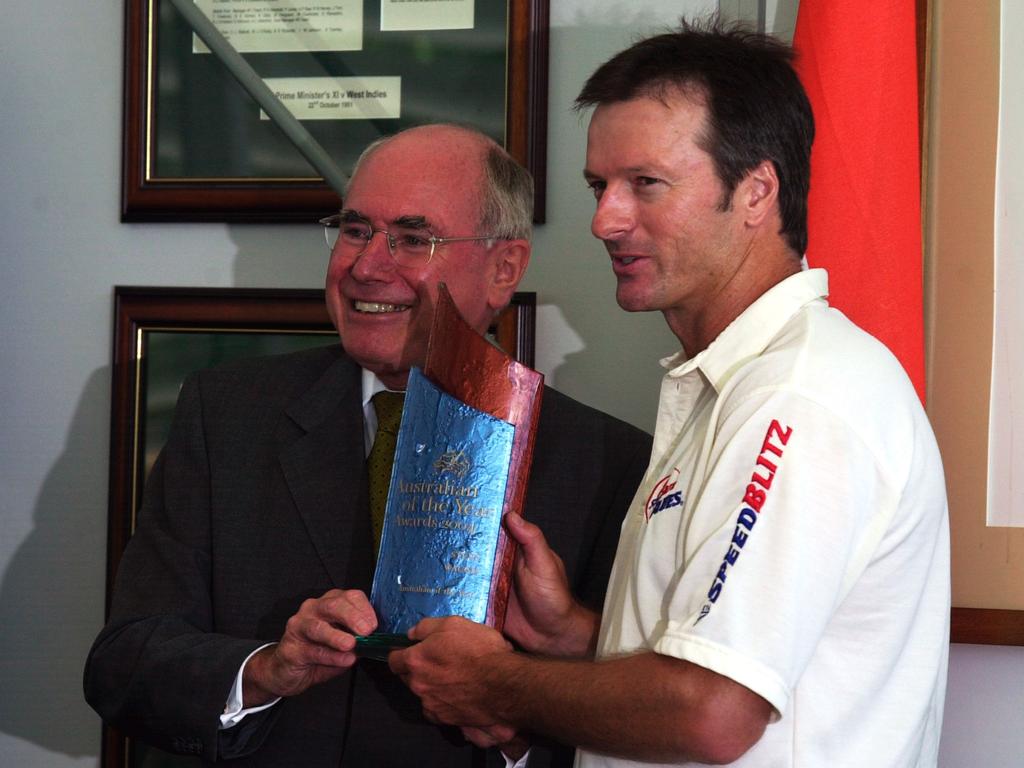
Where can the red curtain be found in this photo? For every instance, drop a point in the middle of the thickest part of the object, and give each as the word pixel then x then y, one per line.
pixel 858 61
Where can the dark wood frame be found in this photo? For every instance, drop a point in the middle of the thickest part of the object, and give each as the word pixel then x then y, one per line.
pixel 138 310
pixel 233 200
pixel 987 626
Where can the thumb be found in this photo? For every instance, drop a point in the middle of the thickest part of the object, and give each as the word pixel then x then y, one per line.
pixel 533 547
pixel 424 628
pixel 526 534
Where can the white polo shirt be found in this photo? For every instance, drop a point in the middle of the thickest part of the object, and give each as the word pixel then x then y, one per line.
pixel 791 534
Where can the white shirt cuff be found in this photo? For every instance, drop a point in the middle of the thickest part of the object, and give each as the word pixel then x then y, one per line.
pixel 233 711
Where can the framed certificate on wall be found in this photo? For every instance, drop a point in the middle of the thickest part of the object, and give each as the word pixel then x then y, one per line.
pixel 197 146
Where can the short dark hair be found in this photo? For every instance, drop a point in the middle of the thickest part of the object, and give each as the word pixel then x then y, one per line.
pixel 757 108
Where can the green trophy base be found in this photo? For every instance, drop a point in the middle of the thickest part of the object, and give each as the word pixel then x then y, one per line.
pixel 378 645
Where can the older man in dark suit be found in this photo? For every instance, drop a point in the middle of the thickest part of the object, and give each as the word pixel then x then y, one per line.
pixel 232 623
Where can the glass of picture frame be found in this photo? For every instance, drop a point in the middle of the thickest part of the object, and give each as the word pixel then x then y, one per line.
pixel 196 147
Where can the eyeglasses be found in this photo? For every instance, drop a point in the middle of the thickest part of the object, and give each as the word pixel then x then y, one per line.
pixel 408 246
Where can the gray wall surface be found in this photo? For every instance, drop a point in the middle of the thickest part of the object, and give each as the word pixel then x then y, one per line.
pixel 62 249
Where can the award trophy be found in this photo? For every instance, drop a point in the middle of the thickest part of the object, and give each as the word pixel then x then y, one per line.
pixel 461 462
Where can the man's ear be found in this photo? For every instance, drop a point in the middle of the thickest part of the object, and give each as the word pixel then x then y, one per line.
pixel 759 193
pixel 511 258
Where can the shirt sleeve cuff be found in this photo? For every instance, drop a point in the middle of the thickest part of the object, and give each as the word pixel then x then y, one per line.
pixel 234 713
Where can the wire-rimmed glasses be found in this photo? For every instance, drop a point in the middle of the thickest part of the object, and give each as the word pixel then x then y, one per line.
pixel 408 245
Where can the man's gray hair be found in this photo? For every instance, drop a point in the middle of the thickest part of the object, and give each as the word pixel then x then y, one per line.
pixel 506 208
pixel 506 200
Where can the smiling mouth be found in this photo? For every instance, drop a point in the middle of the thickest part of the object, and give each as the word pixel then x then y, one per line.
pixel 378 308
pixel 624 261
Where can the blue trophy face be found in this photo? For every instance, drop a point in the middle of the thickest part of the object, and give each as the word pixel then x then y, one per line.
pixel 444 509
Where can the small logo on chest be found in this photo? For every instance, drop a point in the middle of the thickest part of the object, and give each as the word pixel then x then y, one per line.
pixel 664 495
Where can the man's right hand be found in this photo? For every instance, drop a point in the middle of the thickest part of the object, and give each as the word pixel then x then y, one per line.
pixel 318 644
pixel 542 615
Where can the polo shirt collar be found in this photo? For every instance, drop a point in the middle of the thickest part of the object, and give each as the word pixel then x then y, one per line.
pixel 749 334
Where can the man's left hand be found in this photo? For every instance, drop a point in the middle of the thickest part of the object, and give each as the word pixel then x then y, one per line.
pixel 449 670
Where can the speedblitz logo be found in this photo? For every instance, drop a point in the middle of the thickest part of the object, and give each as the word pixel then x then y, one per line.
pixel 664 495
pixel 755 495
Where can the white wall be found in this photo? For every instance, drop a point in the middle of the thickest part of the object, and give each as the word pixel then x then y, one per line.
pixel 62 249
pixel 984 719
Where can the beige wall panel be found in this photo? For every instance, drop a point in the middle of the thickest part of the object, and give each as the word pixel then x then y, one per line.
pixel 988 563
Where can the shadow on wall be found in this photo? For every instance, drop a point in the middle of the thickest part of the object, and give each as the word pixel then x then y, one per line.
pixel 49 608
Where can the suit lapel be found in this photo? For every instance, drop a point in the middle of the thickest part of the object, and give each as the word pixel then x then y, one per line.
pixel 326 474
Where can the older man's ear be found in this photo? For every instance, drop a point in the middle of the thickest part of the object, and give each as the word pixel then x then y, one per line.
pixel 510 259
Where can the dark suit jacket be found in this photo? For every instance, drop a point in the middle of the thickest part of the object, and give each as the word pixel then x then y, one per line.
pixel 258 502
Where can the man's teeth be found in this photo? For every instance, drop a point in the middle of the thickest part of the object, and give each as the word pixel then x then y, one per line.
pixel 376 306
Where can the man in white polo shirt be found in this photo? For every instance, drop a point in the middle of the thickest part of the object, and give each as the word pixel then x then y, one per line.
pixel 780 594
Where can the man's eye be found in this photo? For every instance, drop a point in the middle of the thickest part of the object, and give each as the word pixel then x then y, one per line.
pixel 645 181
pixel 597 187
pixel 414 239
pixel 354 231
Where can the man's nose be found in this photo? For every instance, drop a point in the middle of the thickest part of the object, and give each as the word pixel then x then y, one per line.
pixel 614 216
pixel 375 259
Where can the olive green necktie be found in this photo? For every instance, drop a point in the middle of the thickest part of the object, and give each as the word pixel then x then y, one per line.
pixel 388 406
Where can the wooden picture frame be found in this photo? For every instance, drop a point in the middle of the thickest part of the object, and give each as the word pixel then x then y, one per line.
pixel 218 323
pixel 185 111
